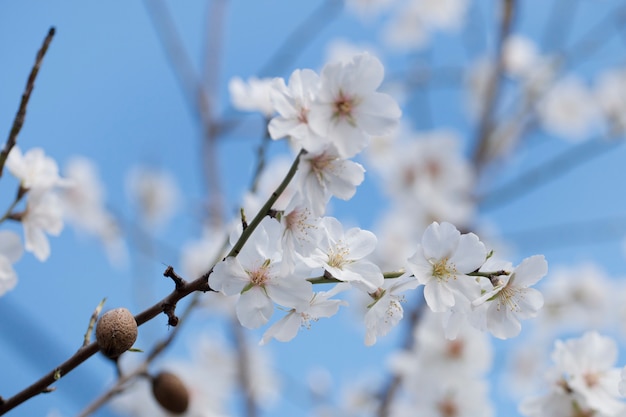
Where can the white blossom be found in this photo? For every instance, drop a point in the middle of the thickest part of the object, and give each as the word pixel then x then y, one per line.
pixel 343 255
pixel 348 109
pixel 442 263
pixel 10 252
pixel 260 277
pixel 512 299
pixel 252 95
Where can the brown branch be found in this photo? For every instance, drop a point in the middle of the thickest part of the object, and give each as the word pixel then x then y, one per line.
pixel 142 370
pixel 18 122
pixel 84 353
pixel 492 92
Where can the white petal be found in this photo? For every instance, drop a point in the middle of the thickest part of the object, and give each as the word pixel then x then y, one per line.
pixel 254 308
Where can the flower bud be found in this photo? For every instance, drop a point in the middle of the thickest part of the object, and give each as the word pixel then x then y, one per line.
pixel 116 332
pixel 170 392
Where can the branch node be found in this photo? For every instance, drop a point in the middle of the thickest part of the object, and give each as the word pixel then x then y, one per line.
pixel 170 311
pixel 179 282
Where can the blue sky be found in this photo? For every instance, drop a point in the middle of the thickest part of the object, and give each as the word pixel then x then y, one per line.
pixel 107 91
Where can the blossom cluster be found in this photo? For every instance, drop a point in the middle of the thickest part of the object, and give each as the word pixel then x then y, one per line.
pixel 333 117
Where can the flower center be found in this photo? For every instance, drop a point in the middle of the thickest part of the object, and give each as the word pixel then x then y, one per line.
pixel 337 255
pixel 260 275
pixel 454 349
pixel 343 108
pixel 442 271
pixel 447 408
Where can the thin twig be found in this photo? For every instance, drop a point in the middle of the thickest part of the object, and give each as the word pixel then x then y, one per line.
pixel 18 122
pixel 266 207
pixel 92 322
pixel 84 353
pixel 121 384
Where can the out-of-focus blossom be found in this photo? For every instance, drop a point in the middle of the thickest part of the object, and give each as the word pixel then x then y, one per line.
pixel 10 251
pixel 43 215
pixel 610 92
pixel 569 110
pixel 34 169
pixel 83 202
pixel 412 25
pixel 154 192
pixel 520 55
pixel 252 95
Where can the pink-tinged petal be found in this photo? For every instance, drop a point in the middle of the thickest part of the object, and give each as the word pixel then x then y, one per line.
pixel 438 297
pixel 229 277
pixel 530 271
pixel 470 254
pixel 440 240
pixel 254 308
pixel 284 329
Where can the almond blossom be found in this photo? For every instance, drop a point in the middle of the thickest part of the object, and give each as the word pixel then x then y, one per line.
pixel 511 299
pixel 252 95
pixel 386 311
pixel 584 380
pixel 320 305
pixel 293 104
pixel 348 110
pixel 10 251
pixel 43 214
pixel 260 277
pixel 323 175
pixel 34 169
pixel 343 255
pixel 442 263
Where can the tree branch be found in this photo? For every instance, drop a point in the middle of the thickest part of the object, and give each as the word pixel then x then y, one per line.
pixel 18 122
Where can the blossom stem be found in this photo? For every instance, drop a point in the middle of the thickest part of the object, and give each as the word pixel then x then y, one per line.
pixel 489 274
pixel 9 212
pixel 266 207
pixel 327 278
